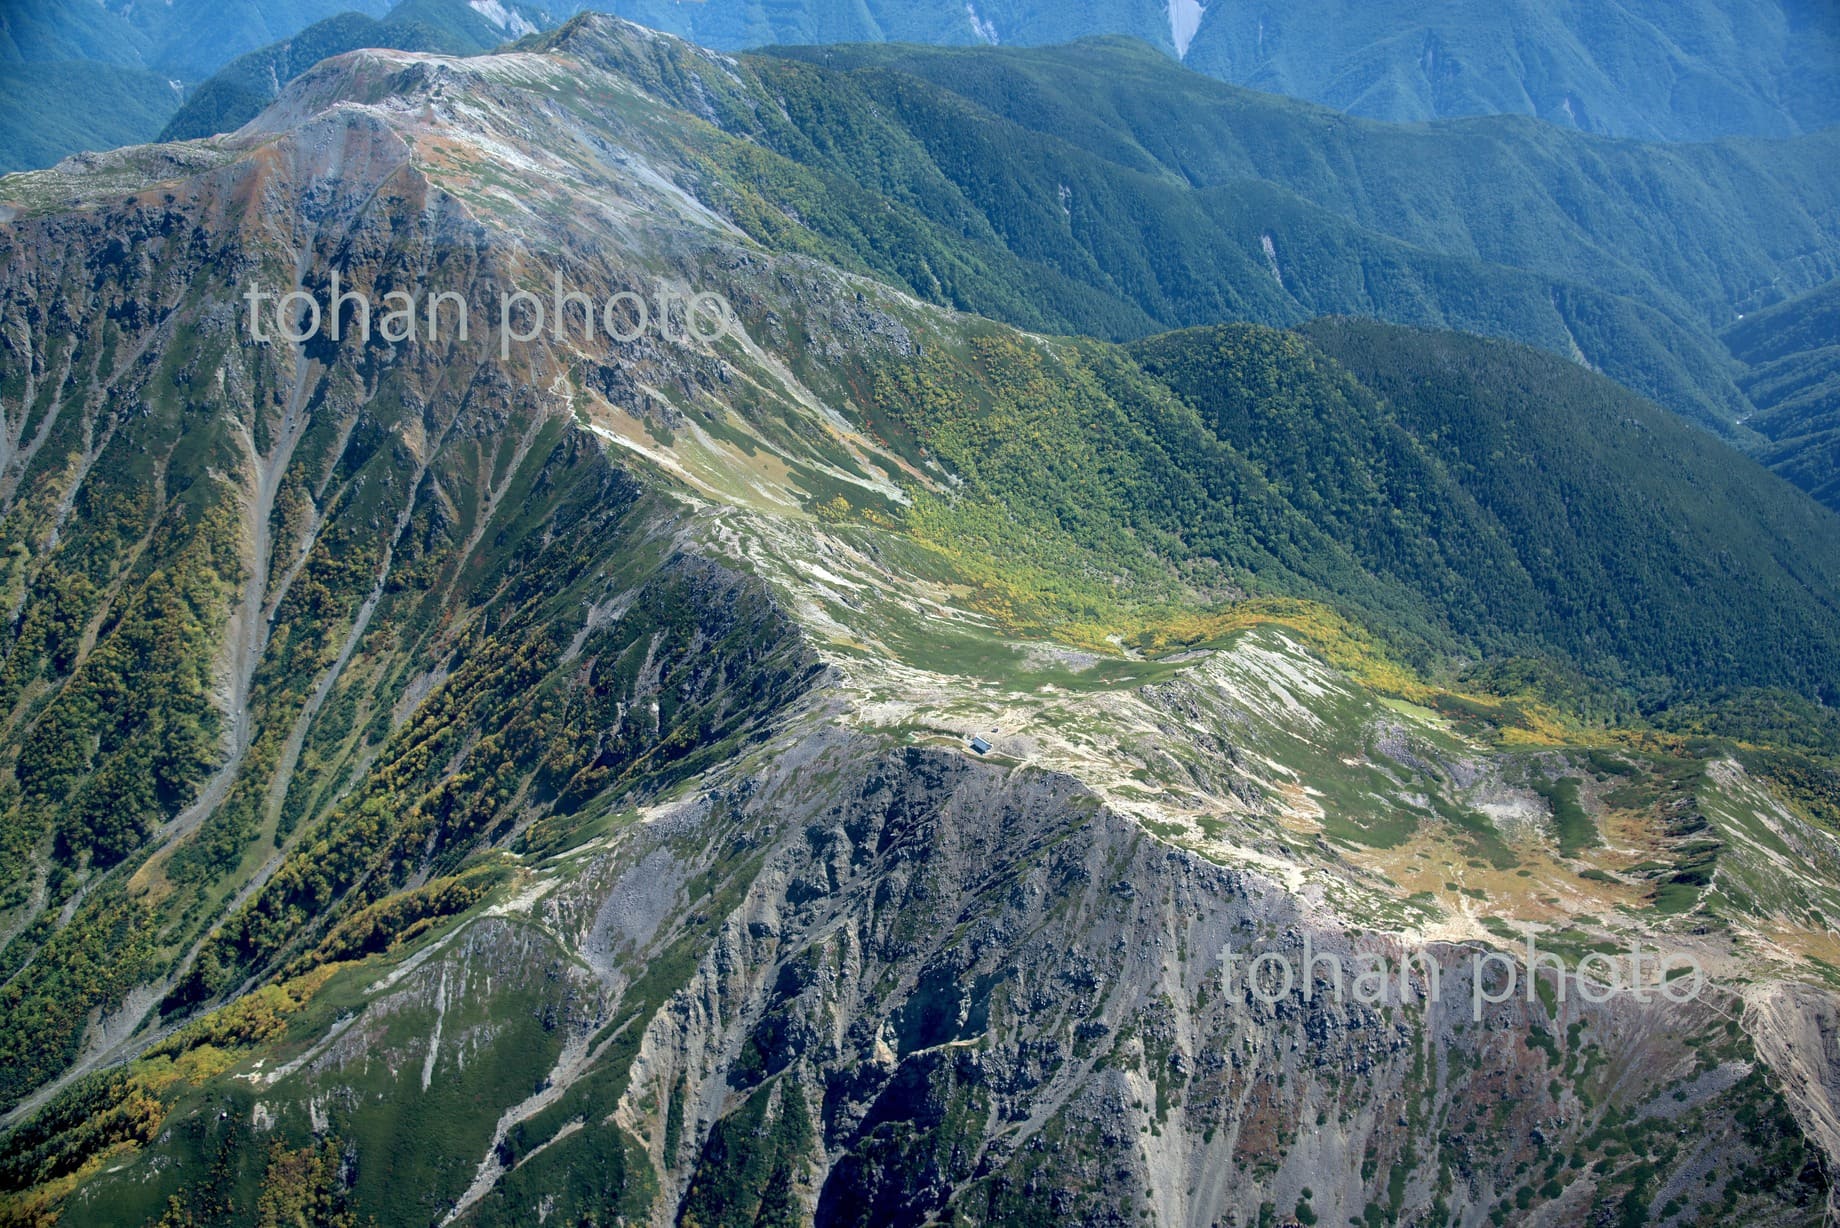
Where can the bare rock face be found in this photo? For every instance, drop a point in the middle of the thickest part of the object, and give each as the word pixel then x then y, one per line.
pixel 457 780
pixel 867 987
pixel 1794 1027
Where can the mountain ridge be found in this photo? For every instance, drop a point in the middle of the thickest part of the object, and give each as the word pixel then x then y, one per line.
pixel 959 165
pixel 571 811
pixel 1647 70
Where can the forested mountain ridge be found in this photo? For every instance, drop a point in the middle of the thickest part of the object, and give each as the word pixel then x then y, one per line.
pixel 1139 196
pixel 1535 506
pixel 477 781
pixel 1792 352
pixel 1642 68
pixel 1503 190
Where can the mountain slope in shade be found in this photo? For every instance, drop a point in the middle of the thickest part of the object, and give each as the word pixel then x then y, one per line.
pixel 123 106
pixel 81 75
pixel 191 38
pixel 53 31
pixel 454 783
pixel 1792 351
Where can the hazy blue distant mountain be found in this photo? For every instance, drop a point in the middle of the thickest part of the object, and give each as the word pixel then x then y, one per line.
pixel 1645 68
pixel 183 38
pixel 192 38
pixel 1657 69
pixel 1667 69
pixel 123 106
pixel 35 31
pixel 83 75
pixel 153 71
pixel 237 92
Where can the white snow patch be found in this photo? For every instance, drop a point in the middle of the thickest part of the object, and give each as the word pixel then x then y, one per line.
pixel 1184 20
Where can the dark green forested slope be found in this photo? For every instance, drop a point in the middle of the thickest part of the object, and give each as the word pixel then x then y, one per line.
pixel 1532 505
pixel 1100 189
pixel 1459 497
pixel 39 126
pixel 1694 227
pixel 1792 352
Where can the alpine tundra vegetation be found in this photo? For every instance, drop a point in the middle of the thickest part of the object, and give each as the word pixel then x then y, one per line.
pixel 825 770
